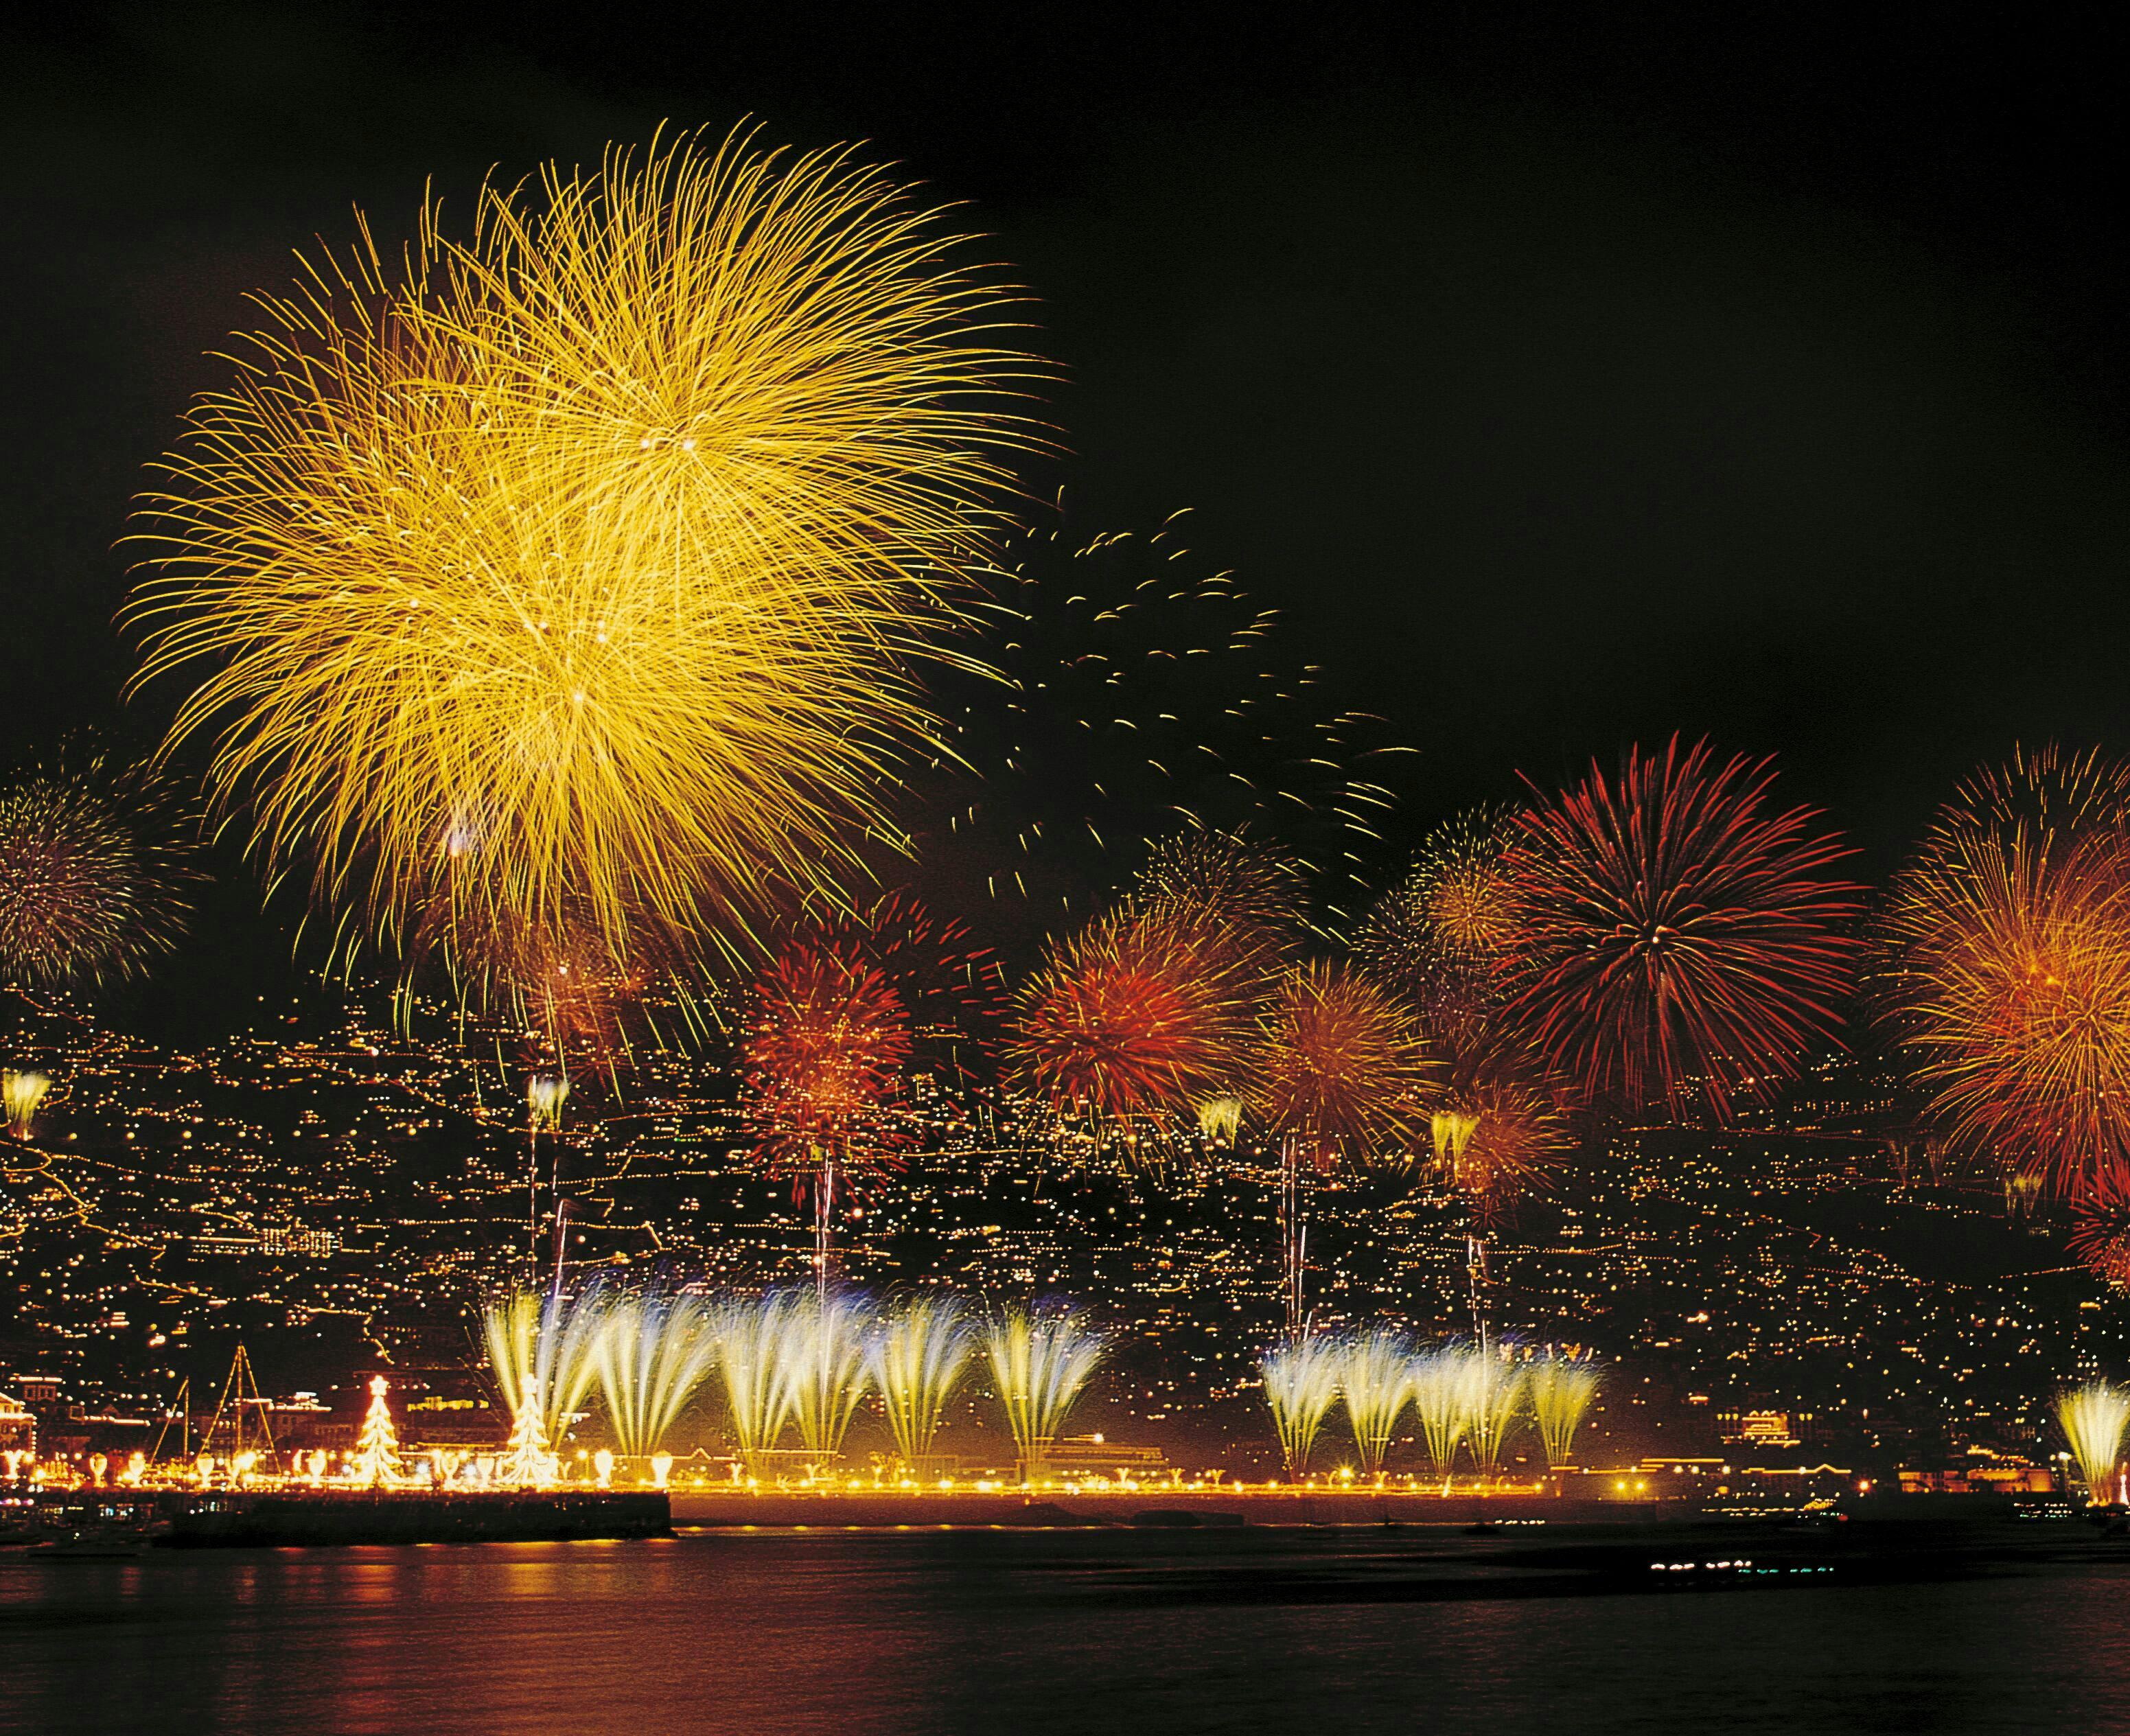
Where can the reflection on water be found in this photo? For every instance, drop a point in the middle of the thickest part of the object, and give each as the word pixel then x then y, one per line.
pixel 1035 1633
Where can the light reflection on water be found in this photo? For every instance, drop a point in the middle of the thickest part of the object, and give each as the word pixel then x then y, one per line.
pixel 1030 1634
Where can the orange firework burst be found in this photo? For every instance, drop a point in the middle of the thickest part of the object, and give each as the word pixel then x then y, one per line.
pixel 1136 1018
pixel 1674 930
pixel 568 983
pixel 1443 936
pixel 1501 1142
pixel 2010 966
pixel 1339 1067
pixel 823 1059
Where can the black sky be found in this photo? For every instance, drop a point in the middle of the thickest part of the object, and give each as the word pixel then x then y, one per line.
pixel 1568 378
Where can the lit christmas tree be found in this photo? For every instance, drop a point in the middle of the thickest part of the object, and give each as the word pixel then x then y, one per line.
pixel 376 1460
pixel 529 1464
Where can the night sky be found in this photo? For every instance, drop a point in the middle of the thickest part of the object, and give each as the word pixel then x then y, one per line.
pixel 1566 383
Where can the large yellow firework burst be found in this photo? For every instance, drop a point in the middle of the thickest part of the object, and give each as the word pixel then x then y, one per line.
pixel 578 561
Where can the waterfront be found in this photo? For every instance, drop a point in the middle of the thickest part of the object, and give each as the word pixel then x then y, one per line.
pixel 1962 1628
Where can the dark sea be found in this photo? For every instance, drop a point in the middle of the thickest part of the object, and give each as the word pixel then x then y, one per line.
pixel 1422 1631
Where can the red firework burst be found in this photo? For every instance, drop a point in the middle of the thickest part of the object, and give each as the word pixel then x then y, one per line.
pixel 1341 1068
pixel 2100 1228
pixel 952 991
pixel 1136 1017
pixel 1675 931
pixel 823 1058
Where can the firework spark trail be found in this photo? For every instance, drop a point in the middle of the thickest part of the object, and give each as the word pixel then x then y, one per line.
pixel 916 1357
pixel 1141 689
pixel 1437 1399
pixel 1375 1376
pixel 583 559
pixel 2093 1419
pixel 952 991
pixel 1301 1381
pixel 821 1376
pixel 752 1340
pixel 96 858
pixel 1673 928
pixel 1562 1390
pixel 1248 900
pixel 22 1093
pixel 655 1353
pixel 1039 1365
pixel 565 983
pixel 2009 970
pixel 1488 1392
pixel 1508 1142
pixel 545 1095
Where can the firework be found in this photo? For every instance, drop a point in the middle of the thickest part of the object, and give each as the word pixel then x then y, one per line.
pixel 1562 1389
pixel 821 1370
pixel 828 1038
pixel 752 1343
pixel 654 1353
pixel 1505 1141
pixel 1141 687
pixel 1039 1364
pixel 21 1093
pixel 564 981
pixel 1375 1376
pixel 2093 1419
pixel 1250 900
pixel 1302 1379
pixel 1339 1069
pixel 1489 1391
pixel 545 1353
pixel 1445 936
pixel 916 1357
pixel 95 862
pixel 2009 967
pixel 1220 1120
pixel 1438 1400
pixel 1135 1019
pixel 1673 929
pixel 822 1062
pixel 951 989
pixel 2100 1228
pixel 584 556
pixel 545 1094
